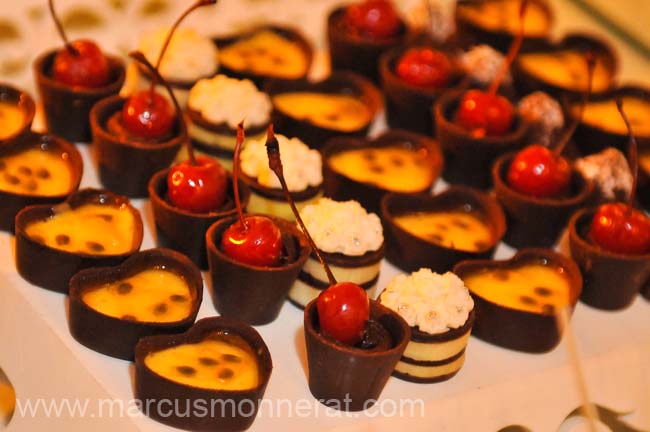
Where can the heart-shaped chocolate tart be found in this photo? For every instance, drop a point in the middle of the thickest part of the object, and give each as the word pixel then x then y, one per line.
pixel 365 170
pixel 91 228
pixel 36 169
pixel 157 291
pixel 17 110
pixel 438 231
pixel 342 104
pixel 516 300
pixel 219 364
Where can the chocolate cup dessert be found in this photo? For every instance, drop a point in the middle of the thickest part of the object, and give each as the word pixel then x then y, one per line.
pixel 249 293
pixel 184 231
pixel 338 83
pixel 291 34
pixel 468 159
pixel 13 201
pixel 126 163
pixel 471 32
pixel 410 252
pixel 409 106
pixel 593 138
pixel 67 108
pixel 341 187
pixel 21 100
pixel 612 280
pixel 520 329
pixel 239 407
pixel 522 210
pixel 117 337
pixel 52 268
pixel 350 378
pixel 526 82
pixel 354 52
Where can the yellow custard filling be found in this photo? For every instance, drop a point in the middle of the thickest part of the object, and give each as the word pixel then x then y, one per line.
pixel 533 287
pixel 153 295
pixel 567 69
pixel 604 115
pixel 504 16
pixel 392 168
pixel 36 172
pixel 339 112
pixel 92 229
pixel 219 362
pixel 456 229
pixel 11 119
pixel 266 53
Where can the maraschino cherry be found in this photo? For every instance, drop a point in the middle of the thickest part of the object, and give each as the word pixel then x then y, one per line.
pixel 253 240
pixel 343 308
pixel 618 227
pixel 373 18
pixel 486 113
pixel 424 67
pixel 81 63
pixel 147 114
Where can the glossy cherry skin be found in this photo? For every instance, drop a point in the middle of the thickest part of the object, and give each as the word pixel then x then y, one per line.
pixel 537 171
pixel 199 188
pixel 343 310
pixel 260 244
pixel 482 113
pixel 148 115
pixel 424 67
pixel 373 18
pixel 619 228
pixel 88 67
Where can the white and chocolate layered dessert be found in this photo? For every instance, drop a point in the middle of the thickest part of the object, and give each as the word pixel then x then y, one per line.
pixel 440 311
pixel 350 240
pixel 216 106
pixel 302 172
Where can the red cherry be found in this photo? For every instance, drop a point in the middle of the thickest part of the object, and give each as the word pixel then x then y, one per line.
pixel 539 172
pixel 199 188
pixel 147 114
pixel 343 310
pixel 483 113
pixel 84 66
pixel 424 67
pixel 619 228
pixel 373 18
pixel 260 244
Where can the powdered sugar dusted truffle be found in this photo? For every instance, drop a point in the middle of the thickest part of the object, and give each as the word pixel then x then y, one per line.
pixel 609 171
pixel 545 113
pixel 482 63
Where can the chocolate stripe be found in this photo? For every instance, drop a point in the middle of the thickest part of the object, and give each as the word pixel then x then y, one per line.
pixel 320 285
pixel 420 336
pixel 433 363
pixel 278 194
pixel 428 380
pixel 221 128
pixel 348 261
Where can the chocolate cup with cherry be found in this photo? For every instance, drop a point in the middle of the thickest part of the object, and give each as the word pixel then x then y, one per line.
pixel 526 83
pixel 126 165
pixel 117 337
pixel 410 253
pixel 338 83
pixel 468 159
pixel 518 329
pixel 52 268
pixel 25 103
pixel 182 230
pixel 12 202
pixel 239 406
pixel 342 188
pixel 409 106
pixel 254 294
pixel 350 51
pixel 522 210
pixel 67 108
pixel 289 33
pixel 612 280
pixel 471 33
pixel 349 378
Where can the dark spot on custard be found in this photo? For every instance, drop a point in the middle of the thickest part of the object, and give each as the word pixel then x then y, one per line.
pixel 11 179
pixel 94 246
pixel 245 53
pixel 207 361
pixel 441 227
pixel 31 185
pixel 527 300
pixel 543 291
pixel 548 309
pixel 376 168
pixel 43 173
pixel 436 238
pixel 105 217
pixel 502 275
pixel 480 245
pixel 397 161
pixel 332 117
pixel 369 156
pixel 226 373
pixel 3 165
pixel 186 370
pixel 124 288
pixel 177 298
pixel 260 51
pixel 27 171
pixel 277 61
pixel 460 224
pixel 160 309
pixel 231 358
pixel 128 317
pixel 62 239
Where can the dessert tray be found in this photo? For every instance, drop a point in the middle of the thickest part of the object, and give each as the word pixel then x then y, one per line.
pixel 70 387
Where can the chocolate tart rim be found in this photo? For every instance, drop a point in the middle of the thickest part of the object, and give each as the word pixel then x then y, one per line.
pixel 336 27
pixel 352 261
pixel 223 128
pixel 275 194
pixel 25 102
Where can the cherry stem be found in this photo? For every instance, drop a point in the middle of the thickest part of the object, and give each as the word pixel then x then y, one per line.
pixel 59 27
pixel 632 158
pixel 235 174
pixel 140 58
pixel 512 52
pixel 275 163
